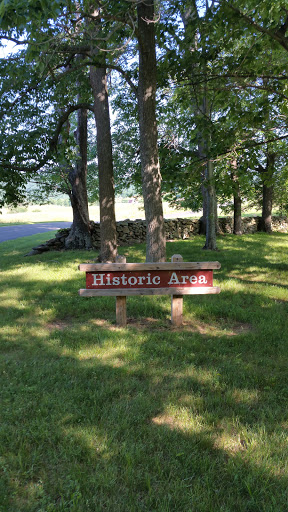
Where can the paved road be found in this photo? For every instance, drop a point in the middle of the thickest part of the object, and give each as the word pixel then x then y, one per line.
pixel 12 232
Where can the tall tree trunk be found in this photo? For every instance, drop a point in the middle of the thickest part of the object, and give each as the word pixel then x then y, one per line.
pixel 237 215
pixel 188 16
pixel 209 183
pixel 210 243
pixel 150 168
pixel 216 207
pixel 267 200
pixel 266 219
pixel 202 220
pixel 208 222
pixel 237 201
pixel 108 236
pixel 79 236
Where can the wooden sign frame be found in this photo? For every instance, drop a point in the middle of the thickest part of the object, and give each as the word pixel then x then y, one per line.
pixel 140 269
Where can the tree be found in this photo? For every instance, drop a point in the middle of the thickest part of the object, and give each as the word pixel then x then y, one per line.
pixel 241 64
pixel 142 13
pixel 98 78
pixel 73 46
pixel 151 178
pixel 41 29
pixel 271 22
pixel 195 49
pixel 34 102
pixel 79 236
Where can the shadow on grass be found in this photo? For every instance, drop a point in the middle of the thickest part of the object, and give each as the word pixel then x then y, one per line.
pixel 166 424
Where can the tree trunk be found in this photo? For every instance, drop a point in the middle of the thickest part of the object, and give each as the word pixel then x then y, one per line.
pixel 237 215
pixel 150 168
pixel 209 181
pixel 202 220
pixel 210 244
pixel 208 222
pixel 79 236
pixel 216 207
pixel 108 236
pixel 237 202
pixel 266 218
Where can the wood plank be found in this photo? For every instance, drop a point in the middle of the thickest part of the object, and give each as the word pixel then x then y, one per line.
pixel 177 300
pixel 121 311
pixel 149 291
pixel 177 310
pixel 121 302
pixel 122 267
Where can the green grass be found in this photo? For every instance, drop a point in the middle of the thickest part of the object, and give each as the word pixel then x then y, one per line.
pixel 147 418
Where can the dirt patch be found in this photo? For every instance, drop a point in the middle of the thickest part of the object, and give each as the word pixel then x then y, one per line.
pixel 217 329
pixel 195 326
pixel 214 329
pixel 148 322
pixel 240 328
pixel 167 421
pixel 230 444
pixel 156 324
pixel 58 325
pixel 100 322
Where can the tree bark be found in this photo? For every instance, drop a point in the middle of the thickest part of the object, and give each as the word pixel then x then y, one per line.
pixel 210 243
pixel 237 202
pixel 150 168
pixel 209 181
pixel 108 236
pixel 203 219
pixel 79 236
pixel 208 221
pixel 237 215
pixel 266 218
pixel 267 199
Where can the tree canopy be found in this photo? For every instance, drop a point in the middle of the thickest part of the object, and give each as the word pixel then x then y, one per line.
pixel 220 103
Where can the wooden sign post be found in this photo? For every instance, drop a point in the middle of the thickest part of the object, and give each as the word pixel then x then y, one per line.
pixel 175 278
pixel 121 302
pixel 177 301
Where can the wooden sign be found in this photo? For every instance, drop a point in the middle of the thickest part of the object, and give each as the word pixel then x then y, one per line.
pixel 175 278
pixel 135 279
pixel 144 279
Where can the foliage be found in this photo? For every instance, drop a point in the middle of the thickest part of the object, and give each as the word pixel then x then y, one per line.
pixel 236 52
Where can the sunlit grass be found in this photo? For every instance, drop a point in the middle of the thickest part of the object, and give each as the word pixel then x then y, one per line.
pixel 148 417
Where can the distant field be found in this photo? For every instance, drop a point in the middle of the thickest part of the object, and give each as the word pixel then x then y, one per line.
pixel 46 213
pixel 127 210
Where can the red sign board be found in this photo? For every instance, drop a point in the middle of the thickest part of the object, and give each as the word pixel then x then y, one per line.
pixel 149 279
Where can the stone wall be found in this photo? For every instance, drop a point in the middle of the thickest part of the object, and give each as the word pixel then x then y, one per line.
pixel 130 232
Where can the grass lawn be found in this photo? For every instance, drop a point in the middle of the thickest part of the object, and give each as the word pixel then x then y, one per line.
pixel 146 418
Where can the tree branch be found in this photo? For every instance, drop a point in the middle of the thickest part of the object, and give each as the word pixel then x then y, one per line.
pixel 126 76
pixel 52 143
pixel 278 35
